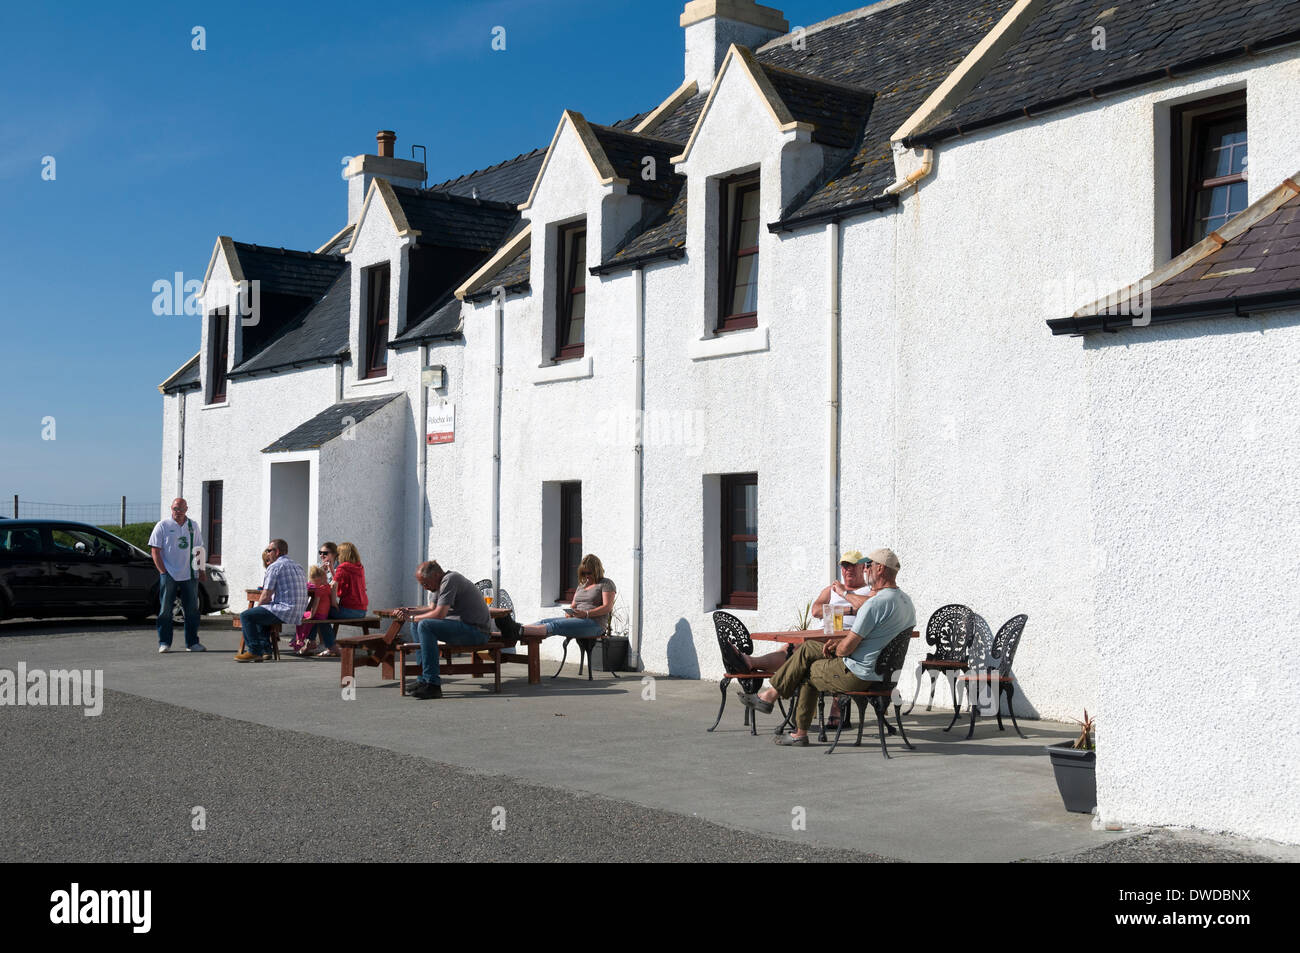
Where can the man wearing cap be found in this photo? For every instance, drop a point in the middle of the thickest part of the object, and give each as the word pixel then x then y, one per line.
pixel 846 664
pixel 848 595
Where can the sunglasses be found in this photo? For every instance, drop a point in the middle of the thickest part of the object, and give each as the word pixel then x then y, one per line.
pixel 323 552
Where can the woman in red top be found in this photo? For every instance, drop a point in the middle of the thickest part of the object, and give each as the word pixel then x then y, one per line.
pixel 350 590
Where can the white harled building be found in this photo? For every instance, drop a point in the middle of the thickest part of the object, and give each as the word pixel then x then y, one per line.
pixel 850 285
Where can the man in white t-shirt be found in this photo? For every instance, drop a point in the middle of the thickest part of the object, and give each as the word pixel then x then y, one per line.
pixel 173 544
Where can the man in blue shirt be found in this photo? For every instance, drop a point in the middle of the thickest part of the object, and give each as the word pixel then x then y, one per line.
pixel 846 664
pixel 283 602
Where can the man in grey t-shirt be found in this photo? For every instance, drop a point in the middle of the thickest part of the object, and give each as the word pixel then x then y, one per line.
pixel 847 664
pixel 456 596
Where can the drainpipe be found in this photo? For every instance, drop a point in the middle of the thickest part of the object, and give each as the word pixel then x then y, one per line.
pixel 338 382
pixel 927 163
pixel 638 472
pixel 833 408
pixel 422 456
pixel 499 311
pixel 180 446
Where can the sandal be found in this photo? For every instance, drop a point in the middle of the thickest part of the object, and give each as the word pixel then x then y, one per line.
pixel 328 653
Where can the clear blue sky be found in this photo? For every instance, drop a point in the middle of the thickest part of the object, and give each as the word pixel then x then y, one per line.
pixel 159 148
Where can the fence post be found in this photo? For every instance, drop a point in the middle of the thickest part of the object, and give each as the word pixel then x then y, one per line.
pixel 123 523
pixel 15 506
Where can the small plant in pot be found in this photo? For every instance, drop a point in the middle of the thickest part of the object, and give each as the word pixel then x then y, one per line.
pixel 1075 766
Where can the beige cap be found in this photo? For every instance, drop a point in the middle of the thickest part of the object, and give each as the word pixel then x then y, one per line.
pixel 886 558
pixel 853 556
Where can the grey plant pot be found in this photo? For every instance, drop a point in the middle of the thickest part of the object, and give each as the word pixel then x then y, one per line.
pixel 1076 776
pixel 610 655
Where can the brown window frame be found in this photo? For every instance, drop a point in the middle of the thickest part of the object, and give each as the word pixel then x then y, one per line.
pixel 733 192
pixel 735 598
pixel 567 288
pixel 570 513
pixel 1190 123
pixel 219 355
pixel 213 490
pixel 376 344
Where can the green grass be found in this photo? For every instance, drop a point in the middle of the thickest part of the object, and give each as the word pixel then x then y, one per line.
pixel 137 534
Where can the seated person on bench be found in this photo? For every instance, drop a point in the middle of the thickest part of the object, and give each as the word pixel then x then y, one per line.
pixel 585 617
pixel 456 596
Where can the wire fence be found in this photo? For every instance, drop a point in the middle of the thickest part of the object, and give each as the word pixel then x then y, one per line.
pixel 97 514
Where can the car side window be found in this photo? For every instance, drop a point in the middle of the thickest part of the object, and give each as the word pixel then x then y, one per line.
pixel 107 546
pixel 20 542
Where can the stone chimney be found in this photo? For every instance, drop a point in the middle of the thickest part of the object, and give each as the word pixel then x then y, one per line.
pixel 362 169
pixel 713 25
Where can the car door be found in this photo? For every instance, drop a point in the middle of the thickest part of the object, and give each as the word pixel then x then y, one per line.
pixel 24 570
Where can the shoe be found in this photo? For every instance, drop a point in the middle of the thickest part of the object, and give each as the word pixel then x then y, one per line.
pixel 424 690
pixel 196 647
pixel 328 653
pixel 790 741
pixel 731 657
pixel 164 649
pixel 247 657
pixel 311 648
pixel 509 628
pixel 751 700
pixel 268 656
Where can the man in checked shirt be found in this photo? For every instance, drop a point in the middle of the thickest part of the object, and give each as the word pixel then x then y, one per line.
pixel 284 600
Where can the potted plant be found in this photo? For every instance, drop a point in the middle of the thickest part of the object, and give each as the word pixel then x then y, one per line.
pixel 611 654
pixel 1075 766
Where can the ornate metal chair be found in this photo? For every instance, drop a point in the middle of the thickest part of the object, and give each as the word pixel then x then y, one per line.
pixel 880 694
pixel 1002 651
pixel 950 631
pixel 735 643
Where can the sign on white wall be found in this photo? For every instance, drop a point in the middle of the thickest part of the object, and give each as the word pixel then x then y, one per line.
pixel 442 424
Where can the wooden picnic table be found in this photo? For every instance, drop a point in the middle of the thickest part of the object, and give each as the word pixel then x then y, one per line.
pixel 532 658
pixel 798 638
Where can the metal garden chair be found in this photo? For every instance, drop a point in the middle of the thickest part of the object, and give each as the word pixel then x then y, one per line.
pixel 1003 652
pixel 879 694
pixel 734 643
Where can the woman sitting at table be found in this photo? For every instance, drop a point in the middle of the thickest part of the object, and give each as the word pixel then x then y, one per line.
pixel 350 593
pixel 585 616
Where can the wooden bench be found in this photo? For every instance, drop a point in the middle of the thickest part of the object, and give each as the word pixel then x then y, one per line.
pixel 477 666
pixel 380 648
pixel 272 633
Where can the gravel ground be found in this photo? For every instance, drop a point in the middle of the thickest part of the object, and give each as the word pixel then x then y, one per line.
pixel 1159 847
pixel 123 787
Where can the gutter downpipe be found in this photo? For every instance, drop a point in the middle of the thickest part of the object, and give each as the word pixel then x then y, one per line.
pixel 499 313
pixel 638 472
pixel 422 456
pixel 833 409
pixel 180 445
pixel 927 164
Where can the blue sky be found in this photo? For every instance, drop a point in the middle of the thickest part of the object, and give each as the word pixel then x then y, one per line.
pixel 158 148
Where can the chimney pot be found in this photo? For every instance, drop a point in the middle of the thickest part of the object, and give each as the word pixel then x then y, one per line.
pixel 386 139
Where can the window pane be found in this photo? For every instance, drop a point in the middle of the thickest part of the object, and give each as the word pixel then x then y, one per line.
pixel 749 220
pixel 1225 144
pixel 744 297
pixel 577 318
pixel 579 250
pixel 744 567
pixel 1237 199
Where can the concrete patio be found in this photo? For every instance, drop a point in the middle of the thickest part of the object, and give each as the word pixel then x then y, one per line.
pixel 638 738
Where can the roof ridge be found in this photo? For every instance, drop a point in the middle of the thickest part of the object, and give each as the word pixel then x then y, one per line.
pixel 281 250
pixel 634 135
pixel 849 17
pixel 453 197
pixel 490 168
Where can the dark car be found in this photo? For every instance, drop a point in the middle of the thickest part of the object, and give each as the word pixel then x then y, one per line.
pixel 59 568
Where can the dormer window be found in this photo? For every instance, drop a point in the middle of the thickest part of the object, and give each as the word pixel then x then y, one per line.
pixel 219 351
pixel 571 308
pixel 376 339
pixel 738 294
pixel 1210 137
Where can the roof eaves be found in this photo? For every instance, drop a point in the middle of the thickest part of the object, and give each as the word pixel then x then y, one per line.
pixel 839 213
pixel 162 388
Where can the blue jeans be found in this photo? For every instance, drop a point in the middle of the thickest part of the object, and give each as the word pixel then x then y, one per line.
pixel 189 591
pixel 451 631
pixel 326 634
pixel 574 628
pixel 255 622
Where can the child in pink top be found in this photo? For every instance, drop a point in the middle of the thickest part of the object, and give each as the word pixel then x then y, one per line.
pixel 318 607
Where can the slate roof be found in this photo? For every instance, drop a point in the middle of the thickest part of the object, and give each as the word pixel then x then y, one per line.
pixel 318 335
pixel 1053 62
pixel 453 221
pixel 185 377
pixel 516 275
pixel 627 151
pixel 338 242
pixel 837 111
pixel 286 271
pixel 329 423
pixel 677 126
pixel 1239 269
pixel 442 320
pixel 509 181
